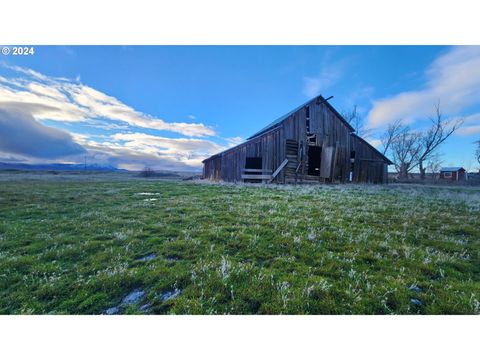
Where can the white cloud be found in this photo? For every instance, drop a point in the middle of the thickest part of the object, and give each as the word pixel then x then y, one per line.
pixel 312 86
pixel 469 130
pixel 376 143
pixel 330 73
pixel 133 151
pixel 158 144
pixel 471 125
pixel 472 118
pixel 453 79
pixel 68 101
pixel 61 99
pixel 234 141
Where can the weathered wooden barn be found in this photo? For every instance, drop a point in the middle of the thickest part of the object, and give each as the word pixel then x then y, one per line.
pixel 312 143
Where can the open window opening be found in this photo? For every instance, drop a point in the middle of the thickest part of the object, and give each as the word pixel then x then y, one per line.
pixel 314 159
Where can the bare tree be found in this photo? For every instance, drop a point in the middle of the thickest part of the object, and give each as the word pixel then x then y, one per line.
pixel 432 138
pixel 434 164
pixel 356 121
pixel 411 149
pixel 405 150
pixel 390 135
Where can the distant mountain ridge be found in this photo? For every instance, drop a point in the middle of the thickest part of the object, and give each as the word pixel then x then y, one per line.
pixel 58 167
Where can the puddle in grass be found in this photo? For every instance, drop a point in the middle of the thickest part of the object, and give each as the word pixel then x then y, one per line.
pixel 152 199
pixel 146 307
pixel 148 257
pixel 147 194
pixel 136 297
pixel 169 295
pixel 416 302
pixel 132 298
pixel 112 311
pixel 415 288
pixel 172 258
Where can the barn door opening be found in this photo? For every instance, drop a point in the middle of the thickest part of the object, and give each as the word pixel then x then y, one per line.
pixel 314 159
pixel 253 171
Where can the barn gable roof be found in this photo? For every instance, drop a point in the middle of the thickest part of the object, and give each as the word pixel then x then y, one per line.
pixel 278 121
pixel 387 160
pixel 275 124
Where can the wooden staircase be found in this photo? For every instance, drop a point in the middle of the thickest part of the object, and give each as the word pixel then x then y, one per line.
pixel 292 157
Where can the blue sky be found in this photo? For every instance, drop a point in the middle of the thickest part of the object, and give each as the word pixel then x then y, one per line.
pixel 169 107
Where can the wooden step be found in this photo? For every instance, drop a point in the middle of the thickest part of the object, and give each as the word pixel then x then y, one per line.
pixel 256 177
pixel 265 171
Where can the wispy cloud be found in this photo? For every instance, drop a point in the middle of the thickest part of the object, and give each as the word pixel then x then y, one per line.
pixel 234 141
pixel 377 143
pixel 312 86
pixel 469 130
pixel 471 125
pixel 330 73
pixel 453 79
pixel 62 99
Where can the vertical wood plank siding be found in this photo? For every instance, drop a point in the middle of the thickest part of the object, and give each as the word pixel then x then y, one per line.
pixel 369 165
pixel 330 130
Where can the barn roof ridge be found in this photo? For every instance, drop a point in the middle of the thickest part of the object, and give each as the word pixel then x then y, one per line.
pixel 279 120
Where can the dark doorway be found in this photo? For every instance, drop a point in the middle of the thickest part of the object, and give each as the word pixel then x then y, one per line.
pixel 253 170
pixel 314 158
pixel 253 163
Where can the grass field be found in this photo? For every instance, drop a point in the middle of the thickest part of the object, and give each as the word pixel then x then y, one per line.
pixel 93 245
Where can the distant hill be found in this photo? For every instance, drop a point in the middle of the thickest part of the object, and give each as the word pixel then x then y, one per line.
pixel 57 167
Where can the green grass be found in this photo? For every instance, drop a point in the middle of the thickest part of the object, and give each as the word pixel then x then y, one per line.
pixel 73 247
